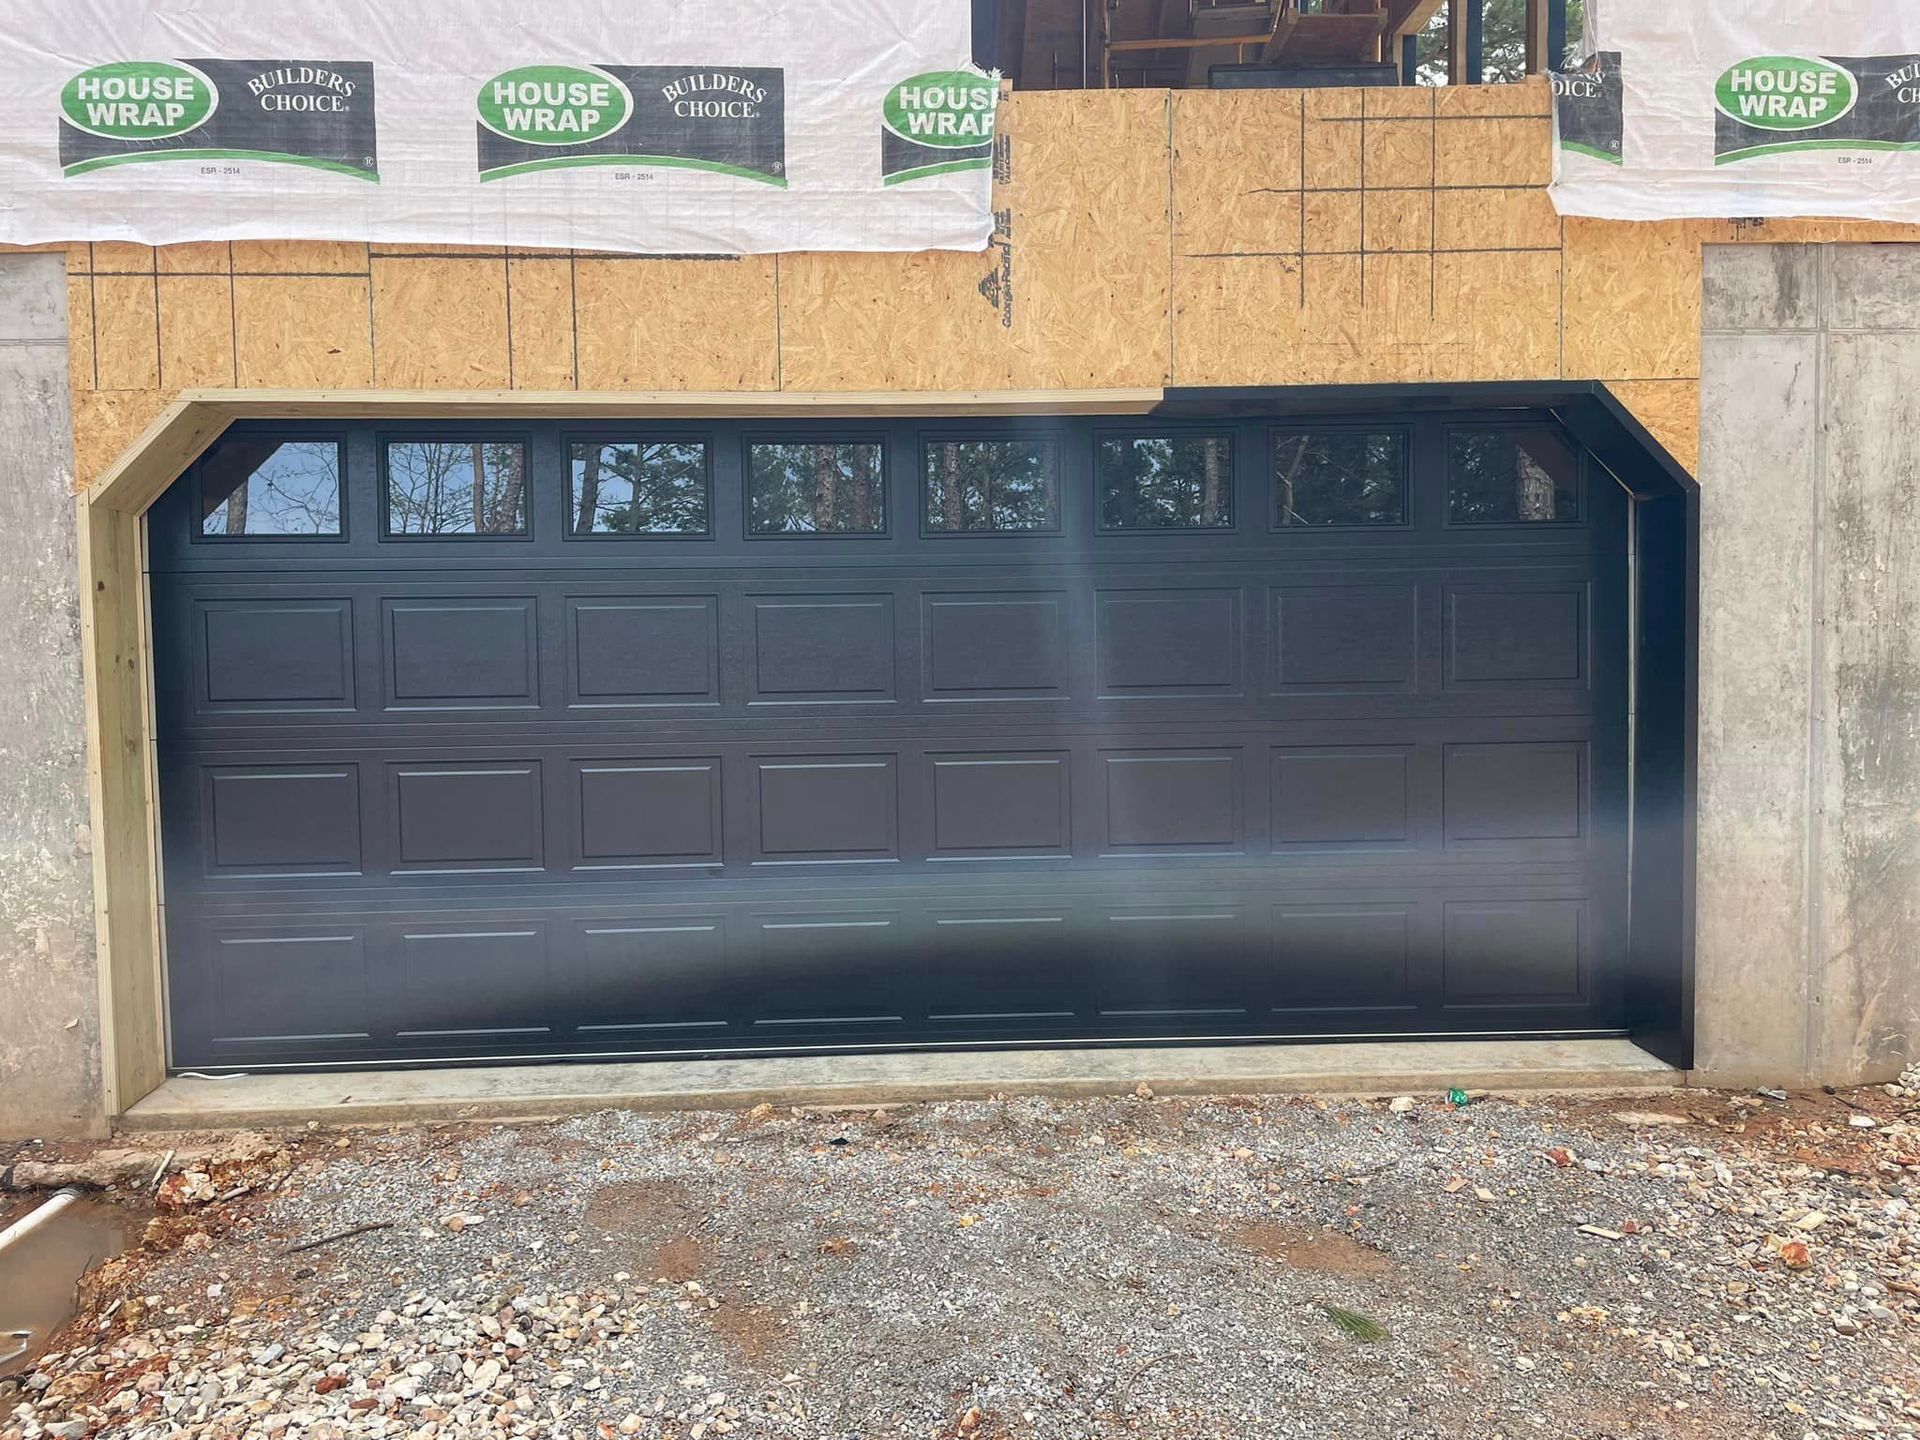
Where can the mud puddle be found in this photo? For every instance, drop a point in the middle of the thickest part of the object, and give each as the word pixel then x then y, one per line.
pixel 40 1273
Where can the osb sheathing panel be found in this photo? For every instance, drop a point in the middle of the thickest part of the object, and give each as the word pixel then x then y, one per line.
pixel 1092 237
pixel 540 322
pixel 440 323
pixel 677 324
pixel 303 331
pixel 1144 238
pixel 196 330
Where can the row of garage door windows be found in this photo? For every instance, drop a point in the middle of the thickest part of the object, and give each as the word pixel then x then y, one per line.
pixel 1323 476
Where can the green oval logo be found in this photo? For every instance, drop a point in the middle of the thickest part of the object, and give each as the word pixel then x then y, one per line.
pixel 554 104
pixel 139 100
pixel 1785 92
pixel 947 108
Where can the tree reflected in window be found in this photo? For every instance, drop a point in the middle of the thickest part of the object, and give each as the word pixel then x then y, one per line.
pixel 456 487
pixel 639 487
pixel 1166 482
pixel 984 485
pixel 816 488
pixel 267 487
pixel 1339 477
pixel 1513 475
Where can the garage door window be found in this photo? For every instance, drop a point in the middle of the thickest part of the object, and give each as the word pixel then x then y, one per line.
pixel 1165 482
pixel 816 488
pixel 1339 477
pixel 456 487
pixel 975 486
pixel 638 487
pixel 1513 475
pixel 270 489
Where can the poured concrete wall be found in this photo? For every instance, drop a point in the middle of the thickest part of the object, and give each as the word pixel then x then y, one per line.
pixel 49 998
pixel 1809 876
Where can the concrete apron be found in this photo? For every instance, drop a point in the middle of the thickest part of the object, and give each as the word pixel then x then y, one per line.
pixel 502 1091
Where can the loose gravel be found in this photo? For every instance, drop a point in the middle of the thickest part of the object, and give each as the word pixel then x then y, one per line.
pixel 1690 1265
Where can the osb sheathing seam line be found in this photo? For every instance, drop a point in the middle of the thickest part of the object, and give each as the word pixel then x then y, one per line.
pixel 913 322
pixel 1236 173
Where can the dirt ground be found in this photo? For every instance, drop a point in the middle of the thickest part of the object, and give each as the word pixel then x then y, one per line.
pixel 1696 1264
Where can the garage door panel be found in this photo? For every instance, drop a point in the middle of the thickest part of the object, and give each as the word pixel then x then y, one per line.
pixel 642 651
pixel 988 804
pixel 289 986
pixel 1166 962
pixel 1001 968
pixel 468 981
pixel 1515 952
pixel 1354 638
pixel 637 814
pixel 274 654
pixel 283 820
pixel 822 649
pixel 652 976
pixel 1343 957
pixel 1524 635
pixel 1172 801
pixel 694 793
pixel 821 972
pixel 454 816
pixel 982 646
pixel 1170 643
pixel 462 654
pixel 1517 792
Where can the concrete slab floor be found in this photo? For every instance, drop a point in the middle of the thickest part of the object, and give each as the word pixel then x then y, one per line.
pixel 498 1091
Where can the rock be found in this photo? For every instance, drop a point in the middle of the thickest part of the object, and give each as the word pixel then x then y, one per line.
pixel 1639 1118
pixel 101 1170
pixel 1401 1104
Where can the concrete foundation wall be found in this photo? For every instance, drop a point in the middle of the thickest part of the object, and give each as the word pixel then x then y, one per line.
pixel 49 996
pixel 1809 875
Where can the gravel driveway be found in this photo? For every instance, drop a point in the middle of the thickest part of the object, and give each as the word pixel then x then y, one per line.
pixel 1672 1265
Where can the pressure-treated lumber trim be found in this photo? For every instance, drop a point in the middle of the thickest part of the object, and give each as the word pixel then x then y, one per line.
pixel 115 657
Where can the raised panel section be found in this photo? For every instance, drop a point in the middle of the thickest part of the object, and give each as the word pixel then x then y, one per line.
pixel 1342 957
pixel 825 971
pixel 467 817
pixel 1514 791
pixel 1001 805
pixel 1169 642
pixel 653 975
pixel 276 654
pixel 1004 968
pixel 1171 800
pixel 1345 637
pixel 647 812
pixel 823 649
pixel 1515 952
pixel 288 984
pixel 461 654
pixel 996 646
pixel 1351 796
pixel 1178 962
pixel 827 808
pixel 474 980
pixel 643 651
pixel 1516 635
pixel 283 820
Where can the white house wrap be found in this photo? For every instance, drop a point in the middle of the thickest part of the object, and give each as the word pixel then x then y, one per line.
pixel 730 126
pixel 1763 108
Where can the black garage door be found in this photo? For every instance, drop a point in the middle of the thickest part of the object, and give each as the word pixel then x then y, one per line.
pixel 488 740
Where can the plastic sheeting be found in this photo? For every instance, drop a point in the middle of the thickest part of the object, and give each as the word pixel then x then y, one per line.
pixel 653 126
pixel 1761 108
